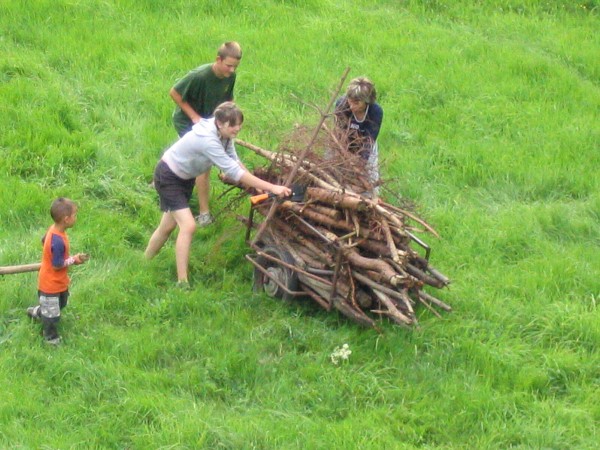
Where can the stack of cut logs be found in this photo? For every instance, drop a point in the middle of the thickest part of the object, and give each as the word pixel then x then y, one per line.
pixel 349 249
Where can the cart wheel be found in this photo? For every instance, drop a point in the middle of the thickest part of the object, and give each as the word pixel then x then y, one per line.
pixel 285 276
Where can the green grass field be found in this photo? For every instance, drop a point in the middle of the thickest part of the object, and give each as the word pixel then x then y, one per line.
pixel 491 129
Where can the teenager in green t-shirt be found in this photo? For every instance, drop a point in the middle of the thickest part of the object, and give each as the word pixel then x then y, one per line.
pixel 197 95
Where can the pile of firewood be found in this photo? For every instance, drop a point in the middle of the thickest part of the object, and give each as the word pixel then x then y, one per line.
pixel 335 239
pixel 349 249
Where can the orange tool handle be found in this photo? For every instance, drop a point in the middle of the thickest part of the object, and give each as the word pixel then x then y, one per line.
pixel 256 199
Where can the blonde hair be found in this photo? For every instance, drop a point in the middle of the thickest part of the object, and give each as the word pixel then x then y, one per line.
pixel 362 89
pixel 230 50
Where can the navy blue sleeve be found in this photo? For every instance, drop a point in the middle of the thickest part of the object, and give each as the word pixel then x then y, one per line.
pixel 373 124
pixel 57 247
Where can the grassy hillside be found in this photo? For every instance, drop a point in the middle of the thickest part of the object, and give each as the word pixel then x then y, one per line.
pixel 491 130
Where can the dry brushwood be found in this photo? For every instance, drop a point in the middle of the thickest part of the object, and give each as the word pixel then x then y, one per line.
pixel 360 246
pixel 347 248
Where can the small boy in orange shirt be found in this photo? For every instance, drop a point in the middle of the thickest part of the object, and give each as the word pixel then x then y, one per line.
pixel 53 281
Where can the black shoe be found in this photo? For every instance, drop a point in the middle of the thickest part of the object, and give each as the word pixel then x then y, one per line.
pixel 53 341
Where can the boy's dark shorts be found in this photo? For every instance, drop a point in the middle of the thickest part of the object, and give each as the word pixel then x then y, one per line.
pixel 174 192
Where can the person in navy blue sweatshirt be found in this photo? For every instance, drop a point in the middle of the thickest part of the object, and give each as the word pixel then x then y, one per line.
pixel 359 117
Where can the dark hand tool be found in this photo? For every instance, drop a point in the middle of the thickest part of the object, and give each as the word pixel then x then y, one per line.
pixel 297 196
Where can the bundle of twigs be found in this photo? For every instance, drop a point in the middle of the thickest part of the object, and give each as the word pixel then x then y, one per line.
pixel 348 249
pixel 351 250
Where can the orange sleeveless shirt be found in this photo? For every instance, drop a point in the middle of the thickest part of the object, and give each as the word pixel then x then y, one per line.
pixel 51 280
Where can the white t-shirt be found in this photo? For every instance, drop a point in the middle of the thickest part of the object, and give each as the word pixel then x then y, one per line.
pixel 200 149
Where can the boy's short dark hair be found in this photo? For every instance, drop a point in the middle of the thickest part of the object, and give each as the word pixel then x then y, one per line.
pixel 229 112
pixel 62 207
pixel 230 50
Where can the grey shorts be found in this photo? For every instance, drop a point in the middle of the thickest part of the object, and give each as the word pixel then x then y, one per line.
pixel 51 304
pixel 174 193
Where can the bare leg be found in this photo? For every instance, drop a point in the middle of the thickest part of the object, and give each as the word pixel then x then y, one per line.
pixel 161 234
pixel 187 227
pixel 203 191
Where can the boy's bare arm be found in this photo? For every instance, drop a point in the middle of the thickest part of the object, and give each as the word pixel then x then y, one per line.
pixel 185 106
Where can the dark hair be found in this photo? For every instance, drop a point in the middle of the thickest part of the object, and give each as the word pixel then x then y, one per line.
pixel 362 89
pixel 230 49
pixel 229 112
pixel 62 207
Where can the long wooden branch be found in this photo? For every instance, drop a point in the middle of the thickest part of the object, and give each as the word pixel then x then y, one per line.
pixel 367 281
pixel 377 265
pixel 418 273
pixel 338 199
pixel 8 270
pixel 431 299
pixel 392 311
pixel 342 305
pixel 390 241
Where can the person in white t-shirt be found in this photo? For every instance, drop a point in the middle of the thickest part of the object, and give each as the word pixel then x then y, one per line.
pixel 209 143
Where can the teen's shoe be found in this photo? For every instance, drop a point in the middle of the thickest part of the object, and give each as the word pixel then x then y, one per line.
pixel 53 341
pixel 34 312
pixel 204 219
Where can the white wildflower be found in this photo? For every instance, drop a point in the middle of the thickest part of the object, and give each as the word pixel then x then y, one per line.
pixel 340 354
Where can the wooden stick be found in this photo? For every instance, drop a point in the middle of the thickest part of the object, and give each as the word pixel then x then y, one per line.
pixel 8 270
pixel 393 312
pixel 429 307
pixel 335 214
pixel 440 276
pixel 339 303
pixel 418 273
pixel 376 265
pixel 408 302
pixel 390 240
pixel 374 285
pixel 324 179
pixel 431 299
pixel 337 198
pixel 306 244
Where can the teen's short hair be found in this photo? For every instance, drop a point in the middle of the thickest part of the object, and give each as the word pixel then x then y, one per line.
pixel 362 89
pixel 230 50
pixel 62 207
pixel 229 112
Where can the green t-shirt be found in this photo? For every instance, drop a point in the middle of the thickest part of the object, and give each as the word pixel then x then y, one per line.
pixel 204 91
